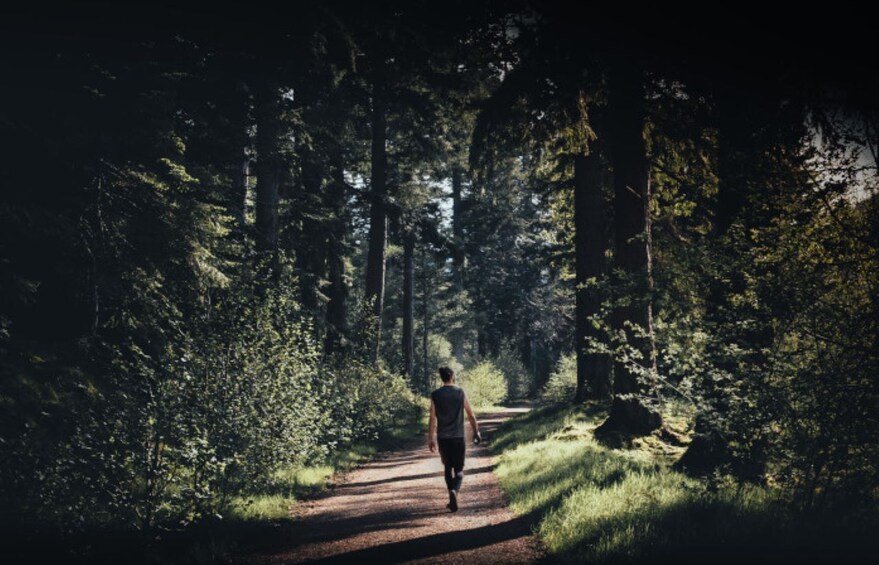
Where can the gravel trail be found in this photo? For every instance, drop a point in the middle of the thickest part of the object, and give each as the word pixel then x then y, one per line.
pixel 393 510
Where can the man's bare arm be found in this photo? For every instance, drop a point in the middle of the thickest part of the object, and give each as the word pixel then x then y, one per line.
pixel 431 428
pixel 472 417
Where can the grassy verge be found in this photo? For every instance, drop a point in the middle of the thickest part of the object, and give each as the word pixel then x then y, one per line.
pixel 592 503
pixel 259 521
pixel 298 483
pixel 294 484
pixel 251 523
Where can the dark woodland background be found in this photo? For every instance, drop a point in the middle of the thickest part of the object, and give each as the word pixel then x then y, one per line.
pixel 238 241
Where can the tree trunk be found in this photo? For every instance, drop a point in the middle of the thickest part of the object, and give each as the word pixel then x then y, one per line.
pixel 268 165
pixel 593 369
pixel 630 413
pixel 409 304
pixel 526 347
pixel 458 257
pixel 458 221
pixel 238 113
pixel 238 191
pixel 337 291
pixel 313 239
pixel 425 320
pixel 378 217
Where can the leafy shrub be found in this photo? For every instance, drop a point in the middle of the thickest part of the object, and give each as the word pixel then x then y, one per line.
pixel 519 378
pixel 485 385
pixel 562 382
pixel 367 400
pixel 253 399
pixel 439 354
pixel 166 433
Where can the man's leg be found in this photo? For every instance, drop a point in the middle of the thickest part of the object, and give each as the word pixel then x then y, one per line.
pixel 458 477
pixel 447 454
pixel 459 463
pixel 453 492
pixel 455 465
pixel 450 484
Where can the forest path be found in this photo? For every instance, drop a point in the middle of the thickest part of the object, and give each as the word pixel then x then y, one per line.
pixel 393 510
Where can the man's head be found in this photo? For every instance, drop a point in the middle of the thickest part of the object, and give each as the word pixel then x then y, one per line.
pixel 446 374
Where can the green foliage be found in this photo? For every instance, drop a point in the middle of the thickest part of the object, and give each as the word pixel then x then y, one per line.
pixel 249 397
pixel 298 482
pixel 515 300
pixel 367 400
pixel 439 354
pixel 485 385
pixel 156 370
pixel 239 395
pixel 595 504
pixel 562 383
pixel 520 381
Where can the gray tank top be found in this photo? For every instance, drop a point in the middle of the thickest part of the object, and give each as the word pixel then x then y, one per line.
pixel 449 402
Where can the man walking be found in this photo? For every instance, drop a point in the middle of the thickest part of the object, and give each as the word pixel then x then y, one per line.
pixel 447 406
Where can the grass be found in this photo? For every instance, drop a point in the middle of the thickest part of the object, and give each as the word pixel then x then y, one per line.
pixel 294 484
pixel 260 521
pixel 251 523
pixel 597 504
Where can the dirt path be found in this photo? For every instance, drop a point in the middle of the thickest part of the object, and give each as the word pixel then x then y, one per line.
pixel 393 510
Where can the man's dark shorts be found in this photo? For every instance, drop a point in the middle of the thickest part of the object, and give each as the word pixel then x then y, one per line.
pixel 451 451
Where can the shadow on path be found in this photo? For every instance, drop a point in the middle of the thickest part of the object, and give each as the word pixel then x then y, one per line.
pixel 393 509
pixel 467 473
pixel 435 545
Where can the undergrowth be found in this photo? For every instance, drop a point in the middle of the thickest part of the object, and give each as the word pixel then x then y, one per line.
pixel 590 502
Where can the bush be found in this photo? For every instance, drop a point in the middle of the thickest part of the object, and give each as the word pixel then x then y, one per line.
pixel 562 383
pixel 519 379
pixel 367 400
pixel 164 434
pixel 485 385
pixel 439 354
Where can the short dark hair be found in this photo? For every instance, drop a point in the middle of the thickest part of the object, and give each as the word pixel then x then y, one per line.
pixel 446 374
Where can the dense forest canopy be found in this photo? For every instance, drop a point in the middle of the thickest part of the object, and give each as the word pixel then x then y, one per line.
pixel 237 239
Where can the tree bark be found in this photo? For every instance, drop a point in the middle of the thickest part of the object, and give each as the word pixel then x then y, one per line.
pixel 526 348
pixel 458 256
pixel 378 217
pixel 425 320
pixel 313 240
pixel 457 219
pixel 238 191
pixel 409 304
pixel 238 112
pixel 593 369
pixel 337 291
pixel 268 165
pixel 630 413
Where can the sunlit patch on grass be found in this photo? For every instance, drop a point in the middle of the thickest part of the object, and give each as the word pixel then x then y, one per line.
pixel 293 484
pixel 262 507
pixel 599 504
pixel 290 485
